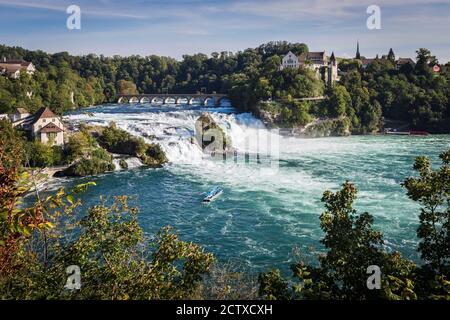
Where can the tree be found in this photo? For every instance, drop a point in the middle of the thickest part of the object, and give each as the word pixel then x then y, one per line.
pixel 352 246
pixel 425 61
pixel 432 190
pixel 339 101
pixel 126 87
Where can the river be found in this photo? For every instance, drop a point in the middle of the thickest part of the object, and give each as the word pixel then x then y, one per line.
pixel 271 203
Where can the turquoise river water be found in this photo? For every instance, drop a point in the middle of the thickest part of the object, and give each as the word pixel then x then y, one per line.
pixel 271 203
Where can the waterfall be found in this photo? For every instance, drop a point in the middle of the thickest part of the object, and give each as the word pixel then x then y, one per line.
pixel 174 129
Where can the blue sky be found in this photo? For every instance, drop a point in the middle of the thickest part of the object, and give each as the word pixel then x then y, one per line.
pixel 176 27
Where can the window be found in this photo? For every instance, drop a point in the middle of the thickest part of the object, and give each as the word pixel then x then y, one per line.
pixel 44 120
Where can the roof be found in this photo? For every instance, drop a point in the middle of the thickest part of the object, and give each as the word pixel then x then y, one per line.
pixel 10 68
pixel 51 127
pixel 316 54
pixel 405 61
pixel 43 112
pixel 21 111
pixel 367 60
pixel 22 63
pixel 313 56
pixel 332 58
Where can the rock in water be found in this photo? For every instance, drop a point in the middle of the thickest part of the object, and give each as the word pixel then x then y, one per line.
pixel 210 136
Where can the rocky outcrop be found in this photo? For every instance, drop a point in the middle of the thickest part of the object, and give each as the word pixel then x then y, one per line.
pixel 154 156
pixel 210 136
pixel 119 141
pixel 327 128
pixel 97 161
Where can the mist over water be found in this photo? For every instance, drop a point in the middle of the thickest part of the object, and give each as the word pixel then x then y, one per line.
pixel 266 210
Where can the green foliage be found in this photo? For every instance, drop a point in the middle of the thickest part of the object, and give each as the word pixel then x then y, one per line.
pixel 331 127
pixel 273 286
pixel 126 87
pixel 79 144
pixel 116 140
pixel 43 155
pixel 116 261
pixel 339 101
pixel 413 94
pixel 99 161
pixel 12 141
pixel 352 246
pixel 432 190
pixel 19 223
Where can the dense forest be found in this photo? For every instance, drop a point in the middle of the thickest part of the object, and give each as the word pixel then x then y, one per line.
pixel 361 101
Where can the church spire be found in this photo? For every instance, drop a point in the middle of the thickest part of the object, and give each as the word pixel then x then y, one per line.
pixel 358 55
pixel 332 58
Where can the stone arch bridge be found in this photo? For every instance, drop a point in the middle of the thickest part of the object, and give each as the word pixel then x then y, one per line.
pixel 191 99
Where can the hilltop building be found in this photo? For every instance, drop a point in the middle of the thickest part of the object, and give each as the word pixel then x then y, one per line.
pixel 403 61
pixel 44 125
pixel 12 68
pixel 314 60
pixel 365 62
pixel 358 55
pixel 325 68
pixel 290 60
pixel 332 71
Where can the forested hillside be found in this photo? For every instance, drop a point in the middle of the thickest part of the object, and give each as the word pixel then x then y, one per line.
pixel 415 95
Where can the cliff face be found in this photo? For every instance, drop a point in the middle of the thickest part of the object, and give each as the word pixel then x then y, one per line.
pixel 328 128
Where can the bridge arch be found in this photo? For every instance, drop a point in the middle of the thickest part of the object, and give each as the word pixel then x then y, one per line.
pixel 122 100
pixel 209 102
pixel 182 100
pixel 157 100
pixel 170 100
pixel 194 100
pixel 144 100
pixel 134 100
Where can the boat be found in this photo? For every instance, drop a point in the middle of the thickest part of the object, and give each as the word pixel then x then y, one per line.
pixel 397 133
pixel 213 194
pixel 407 133
pixel 419 133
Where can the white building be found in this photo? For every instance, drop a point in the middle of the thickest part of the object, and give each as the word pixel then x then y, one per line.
pixel 19 114
pixel 290 60
pixel 44 125
pixel 12 68
pixel 326 69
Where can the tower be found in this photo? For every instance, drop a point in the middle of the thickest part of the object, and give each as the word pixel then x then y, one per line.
pixel 391 55
pixel 358 55
pixel 332 70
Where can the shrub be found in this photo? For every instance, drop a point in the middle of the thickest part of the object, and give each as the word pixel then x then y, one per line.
pixel 116 140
